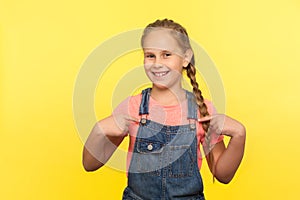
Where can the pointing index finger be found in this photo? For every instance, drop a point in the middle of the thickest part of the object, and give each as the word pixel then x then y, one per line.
pixel 206 118
pixel 133 119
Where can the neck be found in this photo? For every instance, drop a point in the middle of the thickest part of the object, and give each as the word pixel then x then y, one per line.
pixel 168 96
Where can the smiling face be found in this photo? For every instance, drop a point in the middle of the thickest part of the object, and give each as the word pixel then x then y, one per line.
pixel 164 59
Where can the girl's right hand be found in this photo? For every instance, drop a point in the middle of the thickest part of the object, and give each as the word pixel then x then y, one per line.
pixel 104 138
pixel 116 125
pixel 123 121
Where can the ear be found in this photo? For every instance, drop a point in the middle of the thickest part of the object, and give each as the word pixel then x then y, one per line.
pixel 187 57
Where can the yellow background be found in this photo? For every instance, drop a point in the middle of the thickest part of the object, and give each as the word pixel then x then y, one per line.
pixel 254 44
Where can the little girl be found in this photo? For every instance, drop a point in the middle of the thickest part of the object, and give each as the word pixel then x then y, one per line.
pixel 166 124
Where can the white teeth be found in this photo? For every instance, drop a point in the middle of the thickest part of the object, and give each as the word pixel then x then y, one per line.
pixel 160 74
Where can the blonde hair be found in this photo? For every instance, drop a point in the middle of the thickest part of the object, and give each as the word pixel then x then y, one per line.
pixel 181 36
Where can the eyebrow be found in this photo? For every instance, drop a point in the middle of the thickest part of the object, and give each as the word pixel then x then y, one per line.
pixel 160 51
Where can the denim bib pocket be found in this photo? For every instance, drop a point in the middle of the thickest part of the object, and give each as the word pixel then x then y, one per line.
pixel 148 146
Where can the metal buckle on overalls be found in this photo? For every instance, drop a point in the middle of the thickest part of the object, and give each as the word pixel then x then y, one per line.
pixel 143 120
pixel 192 125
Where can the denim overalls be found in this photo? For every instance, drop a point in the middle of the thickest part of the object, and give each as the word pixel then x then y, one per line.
pixel 164 160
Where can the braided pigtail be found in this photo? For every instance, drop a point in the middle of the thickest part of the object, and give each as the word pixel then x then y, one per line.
pixel 191 73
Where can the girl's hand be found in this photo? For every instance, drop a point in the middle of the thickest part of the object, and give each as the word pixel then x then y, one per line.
pixel 116 125
pixel 122 121
pixel 104 139
pixel 224 125
pixel 226 160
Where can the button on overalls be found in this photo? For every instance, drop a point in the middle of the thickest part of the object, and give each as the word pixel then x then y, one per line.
pixel 164 160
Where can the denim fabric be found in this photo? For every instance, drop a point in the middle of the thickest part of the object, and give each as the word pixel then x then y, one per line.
pixel 164 162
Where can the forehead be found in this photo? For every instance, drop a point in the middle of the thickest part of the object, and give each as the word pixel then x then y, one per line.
pixel 161 39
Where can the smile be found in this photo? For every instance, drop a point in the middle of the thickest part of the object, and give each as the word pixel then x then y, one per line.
pixel 160 74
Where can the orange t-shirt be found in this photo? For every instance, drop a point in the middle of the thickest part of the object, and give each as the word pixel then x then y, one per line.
pixel 173 115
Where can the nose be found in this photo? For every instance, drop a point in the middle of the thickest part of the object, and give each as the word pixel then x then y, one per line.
pixel 158 63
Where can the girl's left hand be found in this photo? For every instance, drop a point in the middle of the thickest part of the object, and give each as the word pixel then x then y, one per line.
pixel 224 125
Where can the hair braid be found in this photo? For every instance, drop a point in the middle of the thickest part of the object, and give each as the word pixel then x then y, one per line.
pixel 191 73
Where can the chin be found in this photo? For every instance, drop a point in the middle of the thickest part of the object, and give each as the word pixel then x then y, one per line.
pixel 160 86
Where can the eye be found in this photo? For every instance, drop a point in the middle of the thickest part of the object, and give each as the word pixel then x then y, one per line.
pixel 149 55
pixel 167 54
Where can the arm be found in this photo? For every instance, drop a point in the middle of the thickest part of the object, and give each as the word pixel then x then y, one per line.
pixel 227 160
pixel 103 140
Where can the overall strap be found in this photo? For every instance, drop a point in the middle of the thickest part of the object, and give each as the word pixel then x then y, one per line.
pixel 192 106
pixel 144 106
